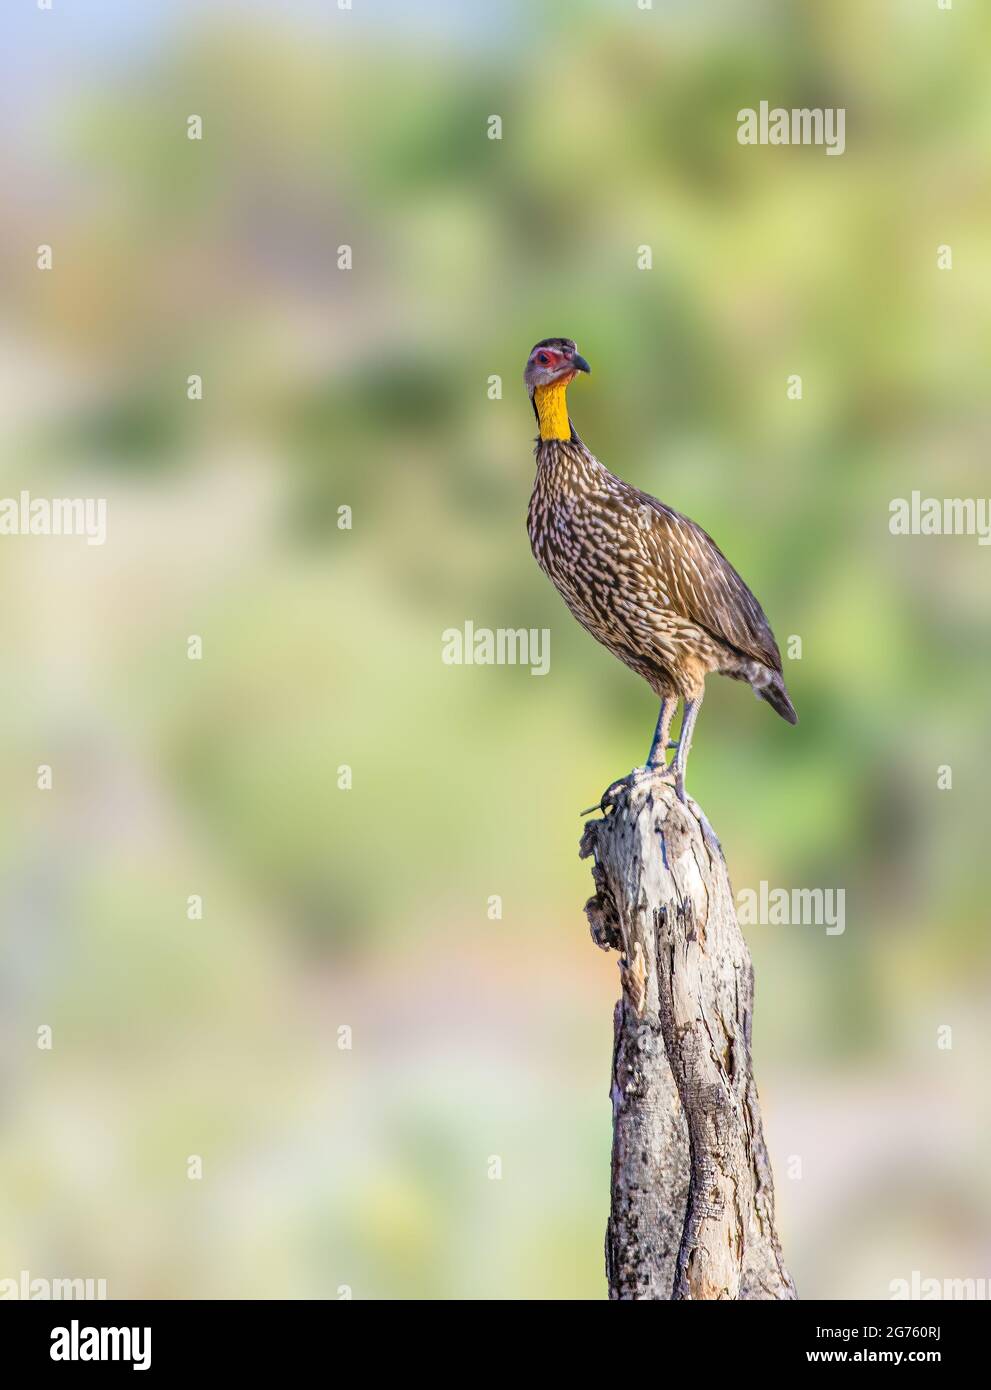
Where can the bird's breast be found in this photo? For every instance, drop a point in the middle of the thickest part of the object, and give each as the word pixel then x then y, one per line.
pixel 588 538
pixel 579 540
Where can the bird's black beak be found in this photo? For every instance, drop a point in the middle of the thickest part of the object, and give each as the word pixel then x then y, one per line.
pixel 579 364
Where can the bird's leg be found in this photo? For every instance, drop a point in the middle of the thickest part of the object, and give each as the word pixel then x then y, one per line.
pixel 680 762
pixel 655 766
pixel 656 758
pixel 678 766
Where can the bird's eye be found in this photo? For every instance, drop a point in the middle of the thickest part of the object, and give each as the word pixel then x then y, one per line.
pixel 542 357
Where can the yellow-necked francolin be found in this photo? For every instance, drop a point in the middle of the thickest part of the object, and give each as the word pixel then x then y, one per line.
pixel 646 582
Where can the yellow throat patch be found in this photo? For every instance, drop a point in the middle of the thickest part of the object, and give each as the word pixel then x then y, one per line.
pixel 552 409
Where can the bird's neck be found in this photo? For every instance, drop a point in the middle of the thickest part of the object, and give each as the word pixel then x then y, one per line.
pixel 566 466
pixel 551 405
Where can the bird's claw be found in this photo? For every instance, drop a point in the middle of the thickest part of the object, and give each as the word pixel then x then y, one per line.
pixel 708 834
pixel 611 795
pixel 624 785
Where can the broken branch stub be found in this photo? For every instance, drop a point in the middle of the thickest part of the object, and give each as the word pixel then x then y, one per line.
pixel 692 1198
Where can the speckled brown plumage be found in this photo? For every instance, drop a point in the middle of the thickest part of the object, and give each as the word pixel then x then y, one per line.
pixel 646 582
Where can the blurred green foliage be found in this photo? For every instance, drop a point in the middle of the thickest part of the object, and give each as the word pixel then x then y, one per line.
pixel 368 388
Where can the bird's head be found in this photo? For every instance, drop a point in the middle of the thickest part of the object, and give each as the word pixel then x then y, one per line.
pixel 553 363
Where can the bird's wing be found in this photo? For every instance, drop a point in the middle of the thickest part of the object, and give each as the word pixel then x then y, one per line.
pixel 702 585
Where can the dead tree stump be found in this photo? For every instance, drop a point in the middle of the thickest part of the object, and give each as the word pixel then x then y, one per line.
pixel 692 1207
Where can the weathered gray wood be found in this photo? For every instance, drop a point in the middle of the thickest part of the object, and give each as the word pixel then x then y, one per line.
pixel 692 1209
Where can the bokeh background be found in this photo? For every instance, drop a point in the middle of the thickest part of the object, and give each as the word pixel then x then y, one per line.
pixel 368 908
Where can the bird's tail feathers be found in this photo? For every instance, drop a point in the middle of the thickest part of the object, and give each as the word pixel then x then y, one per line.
pixel 777 697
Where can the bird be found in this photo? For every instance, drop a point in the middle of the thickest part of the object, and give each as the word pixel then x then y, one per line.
pixel 645 581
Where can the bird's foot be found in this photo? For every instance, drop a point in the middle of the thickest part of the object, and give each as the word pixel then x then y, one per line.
pixel 624 785
pixel 612 794
pixel 708 834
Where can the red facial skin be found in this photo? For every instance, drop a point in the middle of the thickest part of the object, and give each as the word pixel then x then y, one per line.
pixel 555 361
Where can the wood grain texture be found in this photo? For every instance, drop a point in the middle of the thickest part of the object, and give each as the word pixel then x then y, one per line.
pixel 692 1204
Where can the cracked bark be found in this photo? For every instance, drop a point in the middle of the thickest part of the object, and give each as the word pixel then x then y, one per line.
pixel 692 1206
